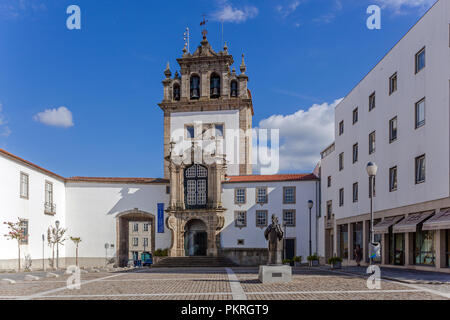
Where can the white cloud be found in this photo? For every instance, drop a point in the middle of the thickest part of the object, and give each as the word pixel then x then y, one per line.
pixel 288 9
pixel 228 13
pixel 5 131
pixel 303 135
pixel 61 117
pixel 398 5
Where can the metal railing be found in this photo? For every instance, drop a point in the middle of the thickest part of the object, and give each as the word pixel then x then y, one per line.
pixel 50 208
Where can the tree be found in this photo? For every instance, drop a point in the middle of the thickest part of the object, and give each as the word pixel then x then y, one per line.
pixel 16 233
pixel 55 237
pixel 76 241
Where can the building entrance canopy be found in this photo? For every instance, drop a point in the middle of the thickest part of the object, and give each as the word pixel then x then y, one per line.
pixel 409 224
pixel 439 221
pixel 383 226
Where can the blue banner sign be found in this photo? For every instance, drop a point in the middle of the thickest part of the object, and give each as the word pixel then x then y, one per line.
pixel 160 217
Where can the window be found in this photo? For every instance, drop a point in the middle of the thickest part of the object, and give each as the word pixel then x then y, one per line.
pixel 240 219
pixel 341 127
pixel 289 218
pixel 341 161
pixel 261 218
pixel 145 226
pixel 288 195
pixel 24 231
pixel 420 113
pixel 234 89
pixel 372 185
pixel 343 241
pixel 145 242
pixel 135 242
pixel 393 83
pixel 424 251
pixel 372 142
pixel 329 181
pixel 167 189
pixel 420 169
pixel 420 60
pixel 393 179
pixel 24 185
pixel 176 92
pixel 240 242
pixel 135 227
pixel 355 153
pixel 355 192
pixel 195 186
pixel 393 129
pixel 239 196
pixel 261 195
pixel 195 87
pixel 215 86
pixel 218 130
pixel 341 197
pixel 447 232
pixel 357 236
pixel 355 115
pixel 329 209
pixel 49 205
pixel 190 132
pixel 372 101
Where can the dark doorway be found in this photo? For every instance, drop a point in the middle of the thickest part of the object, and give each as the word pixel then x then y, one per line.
pixel 290 248
pixel 195 238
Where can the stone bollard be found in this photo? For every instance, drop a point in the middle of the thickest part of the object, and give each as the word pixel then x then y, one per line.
pixel 51 275
pixel 30 277
pixel 7 281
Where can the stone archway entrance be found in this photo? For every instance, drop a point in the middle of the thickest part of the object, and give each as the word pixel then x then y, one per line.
pixel 195 238
pixel 123 220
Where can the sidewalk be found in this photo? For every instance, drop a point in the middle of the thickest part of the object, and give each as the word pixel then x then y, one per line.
pixel 402 275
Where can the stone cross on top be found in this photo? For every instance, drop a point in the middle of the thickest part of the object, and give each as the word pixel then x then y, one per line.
pixel 203 23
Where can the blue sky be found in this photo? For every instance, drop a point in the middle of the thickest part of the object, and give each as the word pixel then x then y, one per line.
pixel 299 53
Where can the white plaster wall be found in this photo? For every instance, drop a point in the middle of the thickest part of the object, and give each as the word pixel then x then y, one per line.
pixel 254 236
pixel 230 119
pixel 13 207
pixel 92 209
pixel 432 31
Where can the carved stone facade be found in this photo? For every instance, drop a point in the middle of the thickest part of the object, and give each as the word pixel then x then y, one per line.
pixel 206 84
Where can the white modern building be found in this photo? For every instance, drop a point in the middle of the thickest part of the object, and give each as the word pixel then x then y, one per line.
pixel 213 206
pixel 398 117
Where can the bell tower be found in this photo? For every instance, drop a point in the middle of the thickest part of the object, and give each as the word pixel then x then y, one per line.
pixel 208 114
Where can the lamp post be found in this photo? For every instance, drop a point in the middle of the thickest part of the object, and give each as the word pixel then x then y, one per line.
pixel 310 205
pixel 372 172
pixel 57 243
pixel 284 240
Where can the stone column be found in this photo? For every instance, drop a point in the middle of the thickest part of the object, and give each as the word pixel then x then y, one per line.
pixel 409 248
pixel 440 248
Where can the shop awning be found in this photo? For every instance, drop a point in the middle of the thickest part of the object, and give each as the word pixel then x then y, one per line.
pixel 439 221
pixel 409 224
pixel 383 226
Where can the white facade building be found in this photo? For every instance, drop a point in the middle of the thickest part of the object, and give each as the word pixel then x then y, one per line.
pixel 398 116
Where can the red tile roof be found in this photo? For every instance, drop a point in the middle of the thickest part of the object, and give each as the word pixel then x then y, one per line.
pixel 271 178
pixel 28 163
pixel 117 180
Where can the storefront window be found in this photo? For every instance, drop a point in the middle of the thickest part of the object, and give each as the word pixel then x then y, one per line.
pixel 343 243
pixel 357 236
pixel 396 248
pixel 424 252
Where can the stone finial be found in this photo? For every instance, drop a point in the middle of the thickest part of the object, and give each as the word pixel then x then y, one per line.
pixel 177 75
pixel 243 66
pixel 167 72
pixel 233 72
pixel 225 48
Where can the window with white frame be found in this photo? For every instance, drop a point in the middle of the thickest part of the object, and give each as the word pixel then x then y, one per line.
pixel 372 144
pixel 218 130
pixel 24 185
pixel 261 195
pixel 393 179
pixel 420 60
pixel 355 115
pixel 288 195
pixel 420 113
pixel 135 227
pixel 372 101
pixel 355 153
pixel 341 127
pixel 289 218
pixel 145 226
pixel 240 219
pixel 355 192
pixel 393 83
pixel 190 132
pixel 135 242
pixel 420 169
pixel 393 129
pixel 24 231
pixel 239 195
pixel 261 218
pixel 341 197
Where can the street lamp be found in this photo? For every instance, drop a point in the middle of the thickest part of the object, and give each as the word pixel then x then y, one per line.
pixel 372 172
pixel 57 243
pixel 310 205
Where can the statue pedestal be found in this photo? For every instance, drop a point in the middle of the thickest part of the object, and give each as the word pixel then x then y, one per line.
pixel 275 274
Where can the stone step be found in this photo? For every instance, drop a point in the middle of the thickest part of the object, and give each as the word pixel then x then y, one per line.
pixel 194 262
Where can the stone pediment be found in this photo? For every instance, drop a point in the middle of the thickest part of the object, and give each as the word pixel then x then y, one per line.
pixel 204 50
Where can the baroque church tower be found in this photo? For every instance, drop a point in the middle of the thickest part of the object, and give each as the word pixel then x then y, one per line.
pixel 207 135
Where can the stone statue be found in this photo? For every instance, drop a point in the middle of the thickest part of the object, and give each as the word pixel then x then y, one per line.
pixel 274 234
